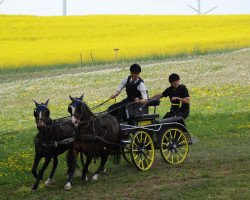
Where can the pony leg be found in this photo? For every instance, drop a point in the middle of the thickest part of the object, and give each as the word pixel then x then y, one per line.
pixel 35 164
pixel 101 168
pixel 41 172
pixel 82 159
pixel 72 167
pixel 85 168
pixel 50 179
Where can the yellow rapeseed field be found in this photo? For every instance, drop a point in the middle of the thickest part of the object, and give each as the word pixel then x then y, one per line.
pixel 44 41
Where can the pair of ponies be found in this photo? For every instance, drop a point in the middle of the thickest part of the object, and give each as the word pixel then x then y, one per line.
pixel 83 132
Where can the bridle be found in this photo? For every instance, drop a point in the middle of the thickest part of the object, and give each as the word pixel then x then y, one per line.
pixel 37 110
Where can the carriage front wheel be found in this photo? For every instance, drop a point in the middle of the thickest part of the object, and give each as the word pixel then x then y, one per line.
pixel 142 150
pixel 174 146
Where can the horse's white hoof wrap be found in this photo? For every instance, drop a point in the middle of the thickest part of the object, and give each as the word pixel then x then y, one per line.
pixel 104 171
pixel 86 178
pixel 49 182
pixel 95 177
pixel 67 186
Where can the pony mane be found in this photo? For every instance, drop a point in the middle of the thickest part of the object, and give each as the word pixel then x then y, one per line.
pixel 84 104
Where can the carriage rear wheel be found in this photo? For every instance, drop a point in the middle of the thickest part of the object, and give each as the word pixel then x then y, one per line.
pixel 126 153
pixel 142 150
pixel 174 146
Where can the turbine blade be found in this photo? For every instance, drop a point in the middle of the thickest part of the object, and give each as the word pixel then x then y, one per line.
pixel 210 10
pixel 193 8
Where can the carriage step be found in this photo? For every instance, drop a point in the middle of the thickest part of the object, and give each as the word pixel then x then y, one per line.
pixel 126 141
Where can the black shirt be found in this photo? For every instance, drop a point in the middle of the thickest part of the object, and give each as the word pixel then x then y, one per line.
pixel 181 92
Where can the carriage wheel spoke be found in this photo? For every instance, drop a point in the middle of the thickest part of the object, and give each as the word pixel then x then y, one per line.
pixel 145 139
pixel 166 144
pixel 149 158
pixel 165 150
pixel 183 142
pixel 172 158
pixel 142 164
pixel 180 154
pixel 178 158
pixel 148 143
pixel 168 155
pixel 179 138
pixel 171 135
pixel 184 148
pixel 174 134
pixel 136 156
pixel 165 137
pixel 138 140
pixel 136 146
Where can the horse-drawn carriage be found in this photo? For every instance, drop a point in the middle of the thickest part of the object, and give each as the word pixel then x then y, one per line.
pixel 136 138
pixel 143 133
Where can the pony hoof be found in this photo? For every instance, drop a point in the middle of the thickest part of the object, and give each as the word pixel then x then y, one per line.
pixel 49 182
pixel 95 177
pixel 104 171
pixel 33 189
pixel 67 186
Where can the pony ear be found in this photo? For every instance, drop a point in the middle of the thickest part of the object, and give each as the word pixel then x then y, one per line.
pixel 46 103
pixel 36 103
pixel 71 98
pixel 81 97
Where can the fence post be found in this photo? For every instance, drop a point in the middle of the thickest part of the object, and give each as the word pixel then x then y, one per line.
pixel 91 57
pixel 116 55
pixel 81 59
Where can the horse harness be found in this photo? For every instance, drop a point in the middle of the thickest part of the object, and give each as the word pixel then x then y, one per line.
pixel 54 140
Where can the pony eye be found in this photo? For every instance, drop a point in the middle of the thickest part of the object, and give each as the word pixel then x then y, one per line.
pixel 48 112
pixel 69 109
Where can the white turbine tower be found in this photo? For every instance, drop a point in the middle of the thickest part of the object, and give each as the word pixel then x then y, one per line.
pixel 64 7
pixel 1 2
pixel 198 10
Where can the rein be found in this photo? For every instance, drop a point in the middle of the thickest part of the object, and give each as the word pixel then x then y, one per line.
pixel 95 107
pixel 115 109
pixel 56 135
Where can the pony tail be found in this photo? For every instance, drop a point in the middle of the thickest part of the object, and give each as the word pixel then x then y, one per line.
pixel 117 155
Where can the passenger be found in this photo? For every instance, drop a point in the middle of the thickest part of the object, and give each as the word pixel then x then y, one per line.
pixel 136 92
pixel 179 97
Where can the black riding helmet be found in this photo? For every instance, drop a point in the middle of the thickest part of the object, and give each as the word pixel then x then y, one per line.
pixel 135 68
pixel 173 77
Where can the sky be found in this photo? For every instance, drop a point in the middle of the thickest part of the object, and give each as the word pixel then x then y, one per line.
pixel 141 7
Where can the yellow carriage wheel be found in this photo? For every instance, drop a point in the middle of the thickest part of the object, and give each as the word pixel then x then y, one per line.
pixel 174 146
pixel 142 150
pixel 126 153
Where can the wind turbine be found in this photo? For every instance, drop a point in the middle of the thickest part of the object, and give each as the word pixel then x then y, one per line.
pixel 198 10
pixel 1 2
pixel 64 7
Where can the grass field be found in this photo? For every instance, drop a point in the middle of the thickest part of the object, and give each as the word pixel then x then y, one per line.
pixel 29 41
pixel 217 166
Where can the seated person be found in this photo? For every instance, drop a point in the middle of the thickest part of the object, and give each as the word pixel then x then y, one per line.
pixel 136 92
pixel 179 97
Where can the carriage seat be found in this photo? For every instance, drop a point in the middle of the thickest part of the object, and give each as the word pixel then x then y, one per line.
pixel 172 119
pixel 144 117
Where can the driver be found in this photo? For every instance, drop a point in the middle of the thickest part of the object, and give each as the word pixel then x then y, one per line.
pixel 179 97
pixel 135 89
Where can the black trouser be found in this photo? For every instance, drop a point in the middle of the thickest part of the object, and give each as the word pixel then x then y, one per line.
pixel 176 114
pixel 119 109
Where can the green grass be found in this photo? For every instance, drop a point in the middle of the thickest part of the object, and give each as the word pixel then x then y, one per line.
pixel 217 166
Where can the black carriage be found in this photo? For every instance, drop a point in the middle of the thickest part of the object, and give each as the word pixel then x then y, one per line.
pixel 143 133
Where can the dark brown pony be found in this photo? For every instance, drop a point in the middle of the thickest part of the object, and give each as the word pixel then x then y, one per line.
pixel 53 139
pixel 95 136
